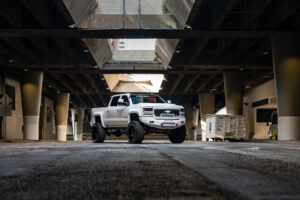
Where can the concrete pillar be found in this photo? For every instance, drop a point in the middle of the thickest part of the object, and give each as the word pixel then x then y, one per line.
pixel 207 106
pixel 61 117
pixel 31 91
pixel 234 85
pixel 77 123
pixel 195 123
pixel 2 83
pixel 189 121
pixel 286 59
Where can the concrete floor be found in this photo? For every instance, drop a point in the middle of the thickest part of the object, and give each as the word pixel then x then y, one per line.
pixel 152 170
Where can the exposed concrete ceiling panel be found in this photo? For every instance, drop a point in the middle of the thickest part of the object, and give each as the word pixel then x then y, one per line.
pixel 181 10
pixel 133 55
pixel 109 14
pixel 132 21
pixel 165 49
pixel 79 11
pixel 100 50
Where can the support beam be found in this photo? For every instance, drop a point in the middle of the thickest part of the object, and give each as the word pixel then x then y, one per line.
pixel 175 85
pixel 191 83
pixel 206 82
pixel 95 87
pixel 31 91
pixel 133 33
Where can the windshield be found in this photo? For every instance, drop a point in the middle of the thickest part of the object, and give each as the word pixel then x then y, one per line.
pixel 142 98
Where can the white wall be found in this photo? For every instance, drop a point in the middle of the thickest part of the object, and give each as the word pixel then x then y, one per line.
pixel 14 123
pixel 263 91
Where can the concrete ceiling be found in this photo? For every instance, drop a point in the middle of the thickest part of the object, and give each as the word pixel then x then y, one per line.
pixel 196 63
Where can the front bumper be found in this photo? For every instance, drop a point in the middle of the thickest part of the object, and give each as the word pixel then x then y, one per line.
pixel 165 124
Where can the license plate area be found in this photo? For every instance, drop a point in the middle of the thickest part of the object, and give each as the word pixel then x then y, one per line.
pixel 168 124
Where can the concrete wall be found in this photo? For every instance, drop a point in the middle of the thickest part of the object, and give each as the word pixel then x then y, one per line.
pixel 48 117
pixel 263 91
pixel 14 123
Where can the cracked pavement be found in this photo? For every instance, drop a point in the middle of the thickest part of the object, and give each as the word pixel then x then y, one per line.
pixel 152 170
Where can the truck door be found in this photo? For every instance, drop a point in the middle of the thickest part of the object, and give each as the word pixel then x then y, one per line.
pixel 111 114
pixel 122 112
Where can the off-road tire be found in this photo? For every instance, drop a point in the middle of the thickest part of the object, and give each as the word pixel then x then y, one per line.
pixel 178 135
pixel 135 132
pixel 98 133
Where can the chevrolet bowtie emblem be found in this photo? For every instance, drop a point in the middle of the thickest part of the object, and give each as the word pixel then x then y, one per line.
pixel 168 111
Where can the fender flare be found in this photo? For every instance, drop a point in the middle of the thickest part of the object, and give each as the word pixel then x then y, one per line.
pixel 130 113
pixel 101 120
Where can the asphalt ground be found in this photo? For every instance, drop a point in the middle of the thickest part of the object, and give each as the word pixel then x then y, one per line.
pixel 155 169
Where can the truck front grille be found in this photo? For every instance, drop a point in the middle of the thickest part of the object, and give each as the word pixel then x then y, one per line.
pixel 166 113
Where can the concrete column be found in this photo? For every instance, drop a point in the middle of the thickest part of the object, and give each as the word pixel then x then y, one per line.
pixel 234 85
pixel 189 121
pixel 31 90
pixel 196 125
pixel 2 83
pixel 61 117
pixel 77 124
pixel 286 59
pixel 207 106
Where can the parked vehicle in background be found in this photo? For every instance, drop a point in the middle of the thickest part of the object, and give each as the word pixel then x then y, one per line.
pixel 137 115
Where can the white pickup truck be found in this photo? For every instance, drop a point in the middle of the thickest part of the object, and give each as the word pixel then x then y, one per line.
pixel 137 115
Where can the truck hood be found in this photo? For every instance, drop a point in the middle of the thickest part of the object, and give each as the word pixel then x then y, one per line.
pixel 160 105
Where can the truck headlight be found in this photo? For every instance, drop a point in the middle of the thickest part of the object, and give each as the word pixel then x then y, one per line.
pixel 147 111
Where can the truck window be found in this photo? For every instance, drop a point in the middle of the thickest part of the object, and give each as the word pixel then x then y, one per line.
pixel 126 100
pixel 136 99
pixel 114 101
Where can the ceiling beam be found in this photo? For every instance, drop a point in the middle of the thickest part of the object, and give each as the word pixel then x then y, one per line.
pixel 219 20
pixel 68 86
pixel 95 87
pixel 258 10
pixel 193 69
pixel 175 85
pixel 191 83
pixel 272 23
pixel 134 33
pixel 203 85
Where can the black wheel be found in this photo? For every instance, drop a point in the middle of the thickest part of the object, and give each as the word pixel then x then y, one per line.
pixel 178 135
pixel 135 132
pixel 98 133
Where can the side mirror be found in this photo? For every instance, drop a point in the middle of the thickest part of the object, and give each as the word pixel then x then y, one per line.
pixel 169 101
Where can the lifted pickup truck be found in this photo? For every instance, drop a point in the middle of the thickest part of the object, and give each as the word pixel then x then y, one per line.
pixel 137 115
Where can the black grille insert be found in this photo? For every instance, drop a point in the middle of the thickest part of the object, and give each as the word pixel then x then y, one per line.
pixel 166 112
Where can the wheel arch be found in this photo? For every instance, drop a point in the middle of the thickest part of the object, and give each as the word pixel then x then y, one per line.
pixel 133 116
pixel 99 119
